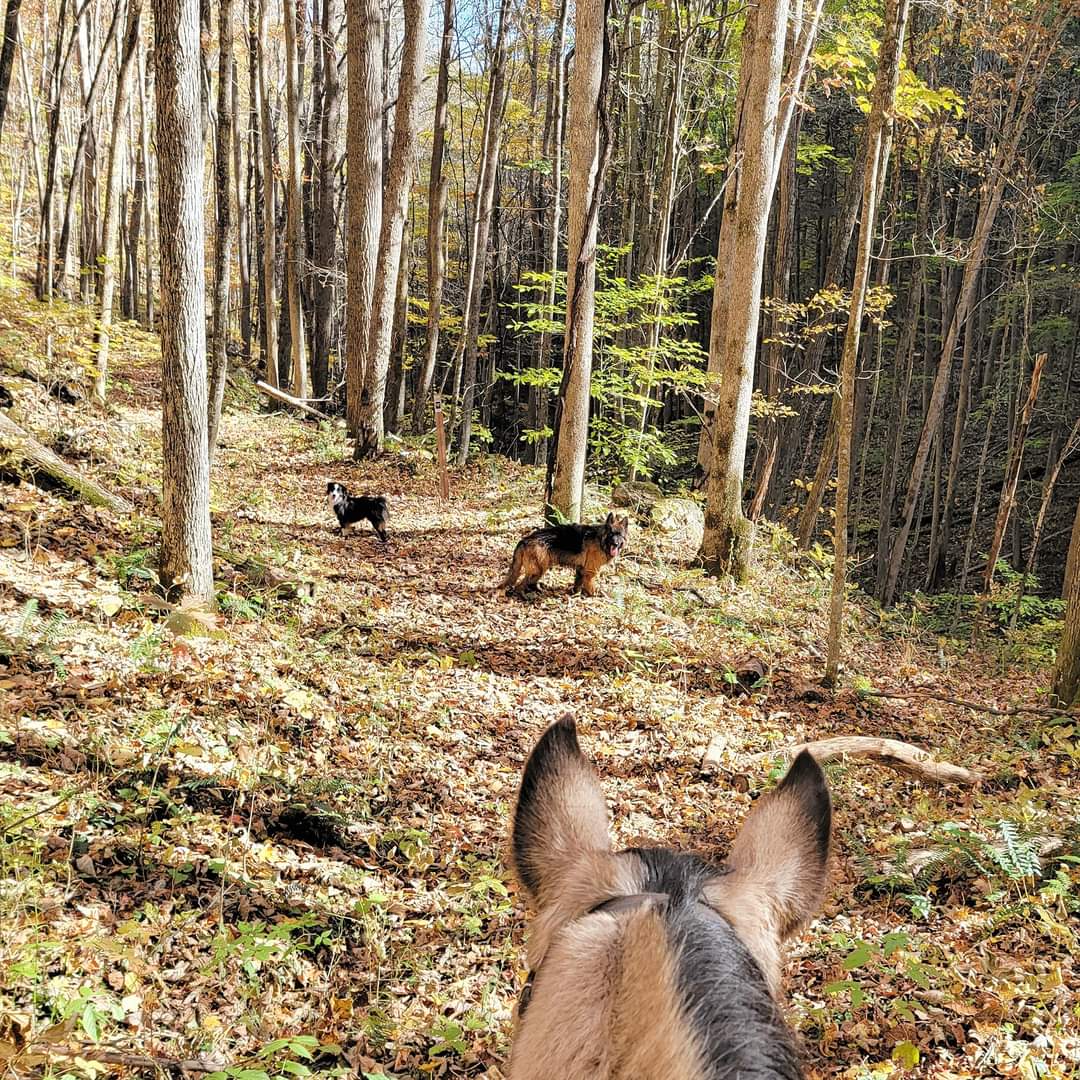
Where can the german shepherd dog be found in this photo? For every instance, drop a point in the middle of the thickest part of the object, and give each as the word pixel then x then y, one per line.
pixel 587 548
pixel 651 964
pixel 351 509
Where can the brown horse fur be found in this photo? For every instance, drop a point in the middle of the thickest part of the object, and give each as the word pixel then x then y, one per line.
pixel 587 548
pixel 650 964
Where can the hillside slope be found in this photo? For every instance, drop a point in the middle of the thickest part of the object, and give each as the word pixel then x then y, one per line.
pixel 274 841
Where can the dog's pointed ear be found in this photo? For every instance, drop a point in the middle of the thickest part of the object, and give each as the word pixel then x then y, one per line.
pixel 610 518
pixel 778 866
pixel 560 815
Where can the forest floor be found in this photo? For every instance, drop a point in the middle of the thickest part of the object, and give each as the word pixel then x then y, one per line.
pixel 274 841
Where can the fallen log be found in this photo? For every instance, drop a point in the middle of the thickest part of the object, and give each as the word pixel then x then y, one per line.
pixel 40 459
pixel 901 756
pixel 294 402
pixel 264 576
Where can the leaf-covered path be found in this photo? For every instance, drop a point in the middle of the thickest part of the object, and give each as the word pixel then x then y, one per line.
pixel 275 840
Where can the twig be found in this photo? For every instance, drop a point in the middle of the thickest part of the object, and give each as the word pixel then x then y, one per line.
pixel 123 1057
pixel 978 706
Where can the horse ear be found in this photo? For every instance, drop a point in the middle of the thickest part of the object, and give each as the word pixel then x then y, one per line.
pixel 560 815
pixel 778 863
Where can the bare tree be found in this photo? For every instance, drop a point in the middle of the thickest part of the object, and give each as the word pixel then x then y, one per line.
pixel 224 229
pixel 725 548
pixel 7 53
pixel 186 557
pixel 325 241
pixel 294 222
pixel 590 148
pixel 877 163
pixel 364 196
pixel 112 224
pixel 466 352
pixel 369 435
pixel 269 228
pixel 438 185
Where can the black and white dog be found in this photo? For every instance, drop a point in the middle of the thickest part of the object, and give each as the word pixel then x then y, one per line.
pixel 349 509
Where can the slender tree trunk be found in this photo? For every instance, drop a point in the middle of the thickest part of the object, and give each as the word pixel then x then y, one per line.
pixel 877 163
pixel 1066 684
pixel 224 227
pixel 7 53
pixel 369 436
pixel 84 140
pixel 186 557
pixel 112 221
pixel 727 245
pixel 365 193
pixel 395 384
pixel 725 548
pixel 1012 475
pixel 243 236
pixel 294 221
pixel 269 215
pixel 61 57
pixel 438 186
pixel 590 149
pixel 325 244
pixel 538 400
pixel 485 203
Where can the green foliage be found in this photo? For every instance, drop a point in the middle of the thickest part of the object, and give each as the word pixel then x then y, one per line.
pixel 1015 610
pixel 37 637
pixel 644 351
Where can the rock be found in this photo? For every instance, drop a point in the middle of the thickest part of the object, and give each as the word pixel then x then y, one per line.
pixel 639 495
pixel 679 518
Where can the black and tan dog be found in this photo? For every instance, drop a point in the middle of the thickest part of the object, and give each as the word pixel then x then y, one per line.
pixel 651 964
pixel 351 509
pixel 587 548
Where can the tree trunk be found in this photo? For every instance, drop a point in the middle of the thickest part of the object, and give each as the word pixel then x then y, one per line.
pixel 82 142
pixel 1066 684
pixel 7 53
pixel 294 221
pixel 61 57
pixel 269 215
pixel 112 220
pixel 728 242
pixel 224 227
pixel 1012 474
pixel 365 192
pixel 243 236
pixel 478 256
pixel 590 149
pixel 325 243
pixel 538 398
pixel 725 547
pixel 369 435
pixel 438 186
pixel 186 556
pixel 395 385
pixel 877 163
